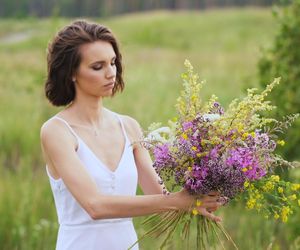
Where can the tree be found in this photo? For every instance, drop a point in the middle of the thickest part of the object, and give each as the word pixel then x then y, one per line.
pixel 283 59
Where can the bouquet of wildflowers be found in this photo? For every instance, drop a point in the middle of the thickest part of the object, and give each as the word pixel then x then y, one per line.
pixel 207 148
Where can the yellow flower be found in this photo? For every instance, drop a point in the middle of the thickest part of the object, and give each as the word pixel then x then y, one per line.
pixel 246 184
pixel 295 187
pixel 240 127
pixel 280 190
pixel 190 169
pixel 195 211
pixel 194 148
pixel 194 98
pixel 281 142
pixel 275 178
pixel 184 76
pixel 251 203
pixel 253 134
pixel 201 154
pixel 268 186
pixel 198 203
pixel 244 169
pixel 293 197
pixel 245 135
pixel 184 136
pixel 258 195
pixel 276 216
pixel 284 219
pixel 285 211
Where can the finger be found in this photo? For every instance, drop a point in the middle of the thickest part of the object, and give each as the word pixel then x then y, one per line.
pixel 210 199
pixel 211 216
pixel 212 209
pixel 211 204
pixel 214 193
pixel 223 200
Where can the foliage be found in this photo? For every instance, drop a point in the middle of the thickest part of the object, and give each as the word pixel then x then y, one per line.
pixel 95 8
pixel 283 59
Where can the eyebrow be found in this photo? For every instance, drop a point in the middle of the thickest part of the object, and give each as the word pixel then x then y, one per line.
pixel 103 61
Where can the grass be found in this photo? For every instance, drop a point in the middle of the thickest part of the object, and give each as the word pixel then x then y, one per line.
pixel 224 47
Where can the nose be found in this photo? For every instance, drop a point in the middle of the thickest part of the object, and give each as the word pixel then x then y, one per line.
pixel 111 71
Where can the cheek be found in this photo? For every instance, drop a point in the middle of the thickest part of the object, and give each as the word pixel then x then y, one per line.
pixel 90 75
pixel 115 70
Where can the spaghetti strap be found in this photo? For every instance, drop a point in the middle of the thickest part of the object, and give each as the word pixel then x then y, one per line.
pixel 123 127
pixel 68 126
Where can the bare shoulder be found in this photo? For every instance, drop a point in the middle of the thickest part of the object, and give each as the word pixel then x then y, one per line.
pixel 54 130
pixel 130 122
pixel 132 127
pixel 51 128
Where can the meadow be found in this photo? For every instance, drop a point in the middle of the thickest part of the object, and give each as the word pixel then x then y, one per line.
pixel 223 45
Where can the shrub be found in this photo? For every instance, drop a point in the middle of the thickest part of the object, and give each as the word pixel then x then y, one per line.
pixel 283 59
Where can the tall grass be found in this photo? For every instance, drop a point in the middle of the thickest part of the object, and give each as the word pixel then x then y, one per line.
pixel 222 45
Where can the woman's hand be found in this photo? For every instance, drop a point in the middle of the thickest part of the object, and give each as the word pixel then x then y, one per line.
pixel 208 204
pixel 183 200
pixel 205 204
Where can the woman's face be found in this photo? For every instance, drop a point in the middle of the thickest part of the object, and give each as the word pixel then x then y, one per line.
pixel 96 74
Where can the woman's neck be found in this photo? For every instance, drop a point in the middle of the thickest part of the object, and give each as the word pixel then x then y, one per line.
pixel 88 112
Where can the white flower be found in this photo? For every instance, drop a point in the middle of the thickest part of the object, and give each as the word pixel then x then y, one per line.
pixel 155 135
pixel 211 117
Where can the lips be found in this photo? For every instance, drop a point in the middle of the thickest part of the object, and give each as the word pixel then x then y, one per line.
pixel 110 84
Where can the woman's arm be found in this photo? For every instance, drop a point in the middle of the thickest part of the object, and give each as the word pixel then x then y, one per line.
pixel 148 179
pixel 59 149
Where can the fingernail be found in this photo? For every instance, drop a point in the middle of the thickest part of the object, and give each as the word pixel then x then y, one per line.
pixel 223 200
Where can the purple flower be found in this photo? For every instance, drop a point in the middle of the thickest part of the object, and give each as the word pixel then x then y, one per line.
pixel 187 125
pixel 162 157
pixel 217 109
pixel 245 160
pixel 211 174
pixel 199 172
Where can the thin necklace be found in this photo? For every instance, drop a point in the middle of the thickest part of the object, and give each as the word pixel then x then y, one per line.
pixel 95 132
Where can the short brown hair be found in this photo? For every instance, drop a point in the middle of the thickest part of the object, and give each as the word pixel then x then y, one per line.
pixel 64 59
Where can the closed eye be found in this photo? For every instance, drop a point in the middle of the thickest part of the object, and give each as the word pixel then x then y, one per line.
pixel 97 67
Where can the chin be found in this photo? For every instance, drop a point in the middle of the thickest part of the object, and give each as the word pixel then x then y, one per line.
pixel 107 94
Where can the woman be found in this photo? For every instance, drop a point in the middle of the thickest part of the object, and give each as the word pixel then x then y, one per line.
pixel 92 163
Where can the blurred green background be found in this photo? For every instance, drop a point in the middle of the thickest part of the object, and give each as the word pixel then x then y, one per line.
pixel 224 45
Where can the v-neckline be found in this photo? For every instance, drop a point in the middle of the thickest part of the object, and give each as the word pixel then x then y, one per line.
pixel 99 159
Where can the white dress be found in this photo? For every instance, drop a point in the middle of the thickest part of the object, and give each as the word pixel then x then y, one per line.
pixel 77 230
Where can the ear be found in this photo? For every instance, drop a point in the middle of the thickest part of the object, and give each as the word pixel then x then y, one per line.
pixel 73 75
